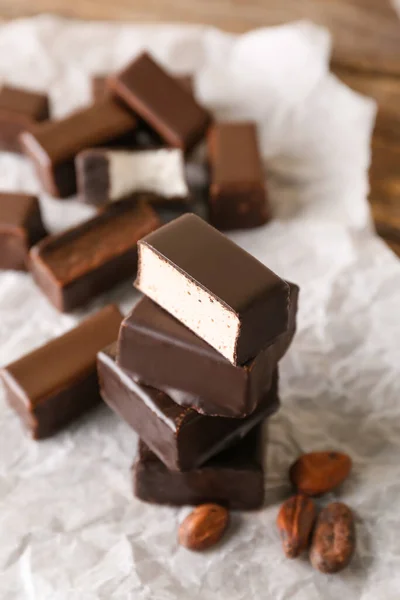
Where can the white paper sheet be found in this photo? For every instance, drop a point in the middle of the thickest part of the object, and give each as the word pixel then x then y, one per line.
pixel 69 526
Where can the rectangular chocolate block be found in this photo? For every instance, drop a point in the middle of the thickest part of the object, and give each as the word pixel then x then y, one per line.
pixel 238 196
pixel 181 437
pixel 219 291
pixel 21 226
pixel 159 351
pixel 161 102
pixel 106 175
pixel 75 266
pixel 100 89
pixel 234 478
pixel 57 383
pixel 53 146
pixel 20 109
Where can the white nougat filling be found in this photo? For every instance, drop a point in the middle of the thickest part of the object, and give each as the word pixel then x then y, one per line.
pixel 189 303
pixel 159 172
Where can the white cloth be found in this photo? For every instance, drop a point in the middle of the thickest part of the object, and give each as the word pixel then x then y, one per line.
pixel 70 528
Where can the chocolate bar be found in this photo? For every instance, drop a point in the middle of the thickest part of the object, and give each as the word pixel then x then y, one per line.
pixel 75 266
pixel 219 291
pixel 238 196
pixel 20 109
pixel 100 89
pixel 53 146
pixel 21 226
pixel 106 175
pixel 161 102
pixel 181 437
pixel 159 351
pixel 57 383
pixel 234 478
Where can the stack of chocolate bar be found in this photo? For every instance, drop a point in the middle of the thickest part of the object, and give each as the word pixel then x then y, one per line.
pixel 195 369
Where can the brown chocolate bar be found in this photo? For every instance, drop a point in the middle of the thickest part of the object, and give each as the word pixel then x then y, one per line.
pixel 161 102
pixel 234 478
pixel 75 266
pixel 20 109
pixel 55 384
pixel 21 226
pixel 105 175
pixel 181 437
pixel 219 291
pixel 238 196
pixel 54 145
pixel 158 350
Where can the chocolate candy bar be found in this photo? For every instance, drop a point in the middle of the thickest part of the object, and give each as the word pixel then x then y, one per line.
pixel 19 110
pixel 100 89
pixel 53 146
pixel 55 384
pixel 238 197
pixel 159 351
pixel 73 267
pixel 161 102
pixel 234 478
pixel 106 175
pixel 181 437
pixel 21 226
pixel 222 293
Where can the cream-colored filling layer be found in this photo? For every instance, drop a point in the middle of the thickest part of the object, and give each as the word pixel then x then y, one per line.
pixel 188 302
pixel 156 171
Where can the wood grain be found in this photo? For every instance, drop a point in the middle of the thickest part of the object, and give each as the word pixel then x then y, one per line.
pixel 366 56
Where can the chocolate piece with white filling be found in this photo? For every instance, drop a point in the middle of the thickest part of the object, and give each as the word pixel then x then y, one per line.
pixel 219 291
pixel 20 110
pixel 80 263
pixel 57 383
pixel 106 175
pixel 159 351
pixel 181 437
pixel 53 146
pixel 234 478
pixel 161 102
pixel 21 226
pixel 238 196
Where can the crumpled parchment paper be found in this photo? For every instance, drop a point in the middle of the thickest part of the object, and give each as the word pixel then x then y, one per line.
pixel 70 527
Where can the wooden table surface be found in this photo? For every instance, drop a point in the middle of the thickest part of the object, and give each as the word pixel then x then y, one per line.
pixel 366 55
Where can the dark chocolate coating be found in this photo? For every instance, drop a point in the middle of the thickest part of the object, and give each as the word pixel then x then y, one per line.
pixel 238 196
pixel 159 351
pixel 181 437
pixel 162 102
pixel 53 146
pixel 21 226
pixel 75 266
pixel 55 384
pixel 20 109
pixel 246 287
pixel 234 478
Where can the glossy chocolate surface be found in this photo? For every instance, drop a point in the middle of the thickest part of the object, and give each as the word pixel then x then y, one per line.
pixel 53 146
pixel 238 196
pixel 56 383
pixel 159 351
pixel 234 478
pixel 228 273
pixel 20 109
pixel 21 226
pixel 181 437
pixel 75 266
pixel 162 102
